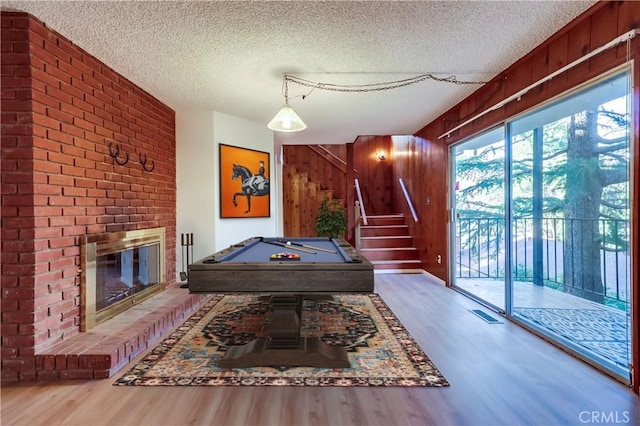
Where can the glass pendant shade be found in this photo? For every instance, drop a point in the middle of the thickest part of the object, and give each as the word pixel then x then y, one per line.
pixel 286 120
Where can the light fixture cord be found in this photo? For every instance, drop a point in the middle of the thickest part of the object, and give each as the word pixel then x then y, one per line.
pixel 373 87
pixel 285 89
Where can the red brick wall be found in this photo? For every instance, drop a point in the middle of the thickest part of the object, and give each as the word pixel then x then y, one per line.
pixel 61 108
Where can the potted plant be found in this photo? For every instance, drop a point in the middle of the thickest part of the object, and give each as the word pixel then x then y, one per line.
pixel 331 220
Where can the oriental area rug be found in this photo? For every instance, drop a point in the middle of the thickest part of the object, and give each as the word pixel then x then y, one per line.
pixel 380 350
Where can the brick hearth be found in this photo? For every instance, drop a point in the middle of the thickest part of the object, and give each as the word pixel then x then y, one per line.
pixel 109 347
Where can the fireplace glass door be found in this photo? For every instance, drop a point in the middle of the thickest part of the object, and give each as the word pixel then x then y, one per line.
pixel 120 270
pixel 125 273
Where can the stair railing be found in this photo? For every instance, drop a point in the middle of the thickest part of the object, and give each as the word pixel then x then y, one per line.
pixel 408 199
pixel 359 214
pixel 333 159
pixel 356 214
pixel 363 214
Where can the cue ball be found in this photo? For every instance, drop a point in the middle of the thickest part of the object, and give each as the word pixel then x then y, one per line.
pixel 288 243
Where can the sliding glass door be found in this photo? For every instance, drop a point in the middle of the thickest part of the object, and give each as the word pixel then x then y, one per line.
pixel 570 262
pixel 478 225
pixel 557 257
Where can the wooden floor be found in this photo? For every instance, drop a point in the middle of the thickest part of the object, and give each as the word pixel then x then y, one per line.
pixel 500 374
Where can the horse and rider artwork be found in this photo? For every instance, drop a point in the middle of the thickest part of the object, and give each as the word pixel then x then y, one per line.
pixel 244 182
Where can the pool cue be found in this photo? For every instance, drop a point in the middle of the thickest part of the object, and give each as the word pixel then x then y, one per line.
pixel 307 246
pixel 275 243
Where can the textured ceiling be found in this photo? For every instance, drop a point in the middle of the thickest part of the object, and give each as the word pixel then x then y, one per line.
pixel 231 56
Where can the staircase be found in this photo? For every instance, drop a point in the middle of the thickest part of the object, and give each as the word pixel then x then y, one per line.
pixel 385 242
pixel 301 198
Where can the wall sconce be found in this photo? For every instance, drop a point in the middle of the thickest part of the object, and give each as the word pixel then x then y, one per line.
pixel 381 156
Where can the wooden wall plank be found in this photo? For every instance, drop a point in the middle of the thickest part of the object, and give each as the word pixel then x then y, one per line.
pixel 309 172
pixel 517 79
pixel 578 45
pixel 374 175
pixel 295 207
pixel 539 69
pixel 603 30
pixel 628 19
pixel 287 202
pixel 558 59
pixel 313 205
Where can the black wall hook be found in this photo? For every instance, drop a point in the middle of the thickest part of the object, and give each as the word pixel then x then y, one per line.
pixel 115 154
pixel 143 161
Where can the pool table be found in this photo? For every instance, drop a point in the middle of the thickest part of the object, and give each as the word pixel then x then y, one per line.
pixel 316 268
pixel 331 265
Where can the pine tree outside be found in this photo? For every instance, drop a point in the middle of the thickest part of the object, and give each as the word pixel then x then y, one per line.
pixel 568 182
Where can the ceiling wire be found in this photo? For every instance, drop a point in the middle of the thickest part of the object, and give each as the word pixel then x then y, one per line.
pixel 373 87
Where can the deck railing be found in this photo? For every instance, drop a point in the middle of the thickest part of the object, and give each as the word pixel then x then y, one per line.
pixel 540 259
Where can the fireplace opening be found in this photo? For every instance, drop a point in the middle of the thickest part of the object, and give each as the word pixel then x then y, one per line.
pixel 120 270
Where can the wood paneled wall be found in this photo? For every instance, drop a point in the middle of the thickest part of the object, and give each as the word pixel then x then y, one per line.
pixel 374 175
pixel 308 178
pixel 422 165
pixel 303 164
pixel 327 174
pixel 596 27
pixel 427 175
pixel 301 200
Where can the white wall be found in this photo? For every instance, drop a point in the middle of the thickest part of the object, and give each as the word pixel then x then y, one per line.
pixel 195 177
pixel 198 135
pixel 235 131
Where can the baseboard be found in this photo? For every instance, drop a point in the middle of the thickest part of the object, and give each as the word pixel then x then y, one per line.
pixel 411 271
pixel 398 271
pixel 434 278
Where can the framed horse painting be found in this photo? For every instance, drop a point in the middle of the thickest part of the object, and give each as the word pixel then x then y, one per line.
pixel 244 182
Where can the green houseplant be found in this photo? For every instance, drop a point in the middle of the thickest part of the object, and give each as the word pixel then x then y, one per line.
pixel 331 220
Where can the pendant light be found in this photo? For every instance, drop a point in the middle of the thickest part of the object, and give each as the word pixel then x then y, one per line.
pixel 286 120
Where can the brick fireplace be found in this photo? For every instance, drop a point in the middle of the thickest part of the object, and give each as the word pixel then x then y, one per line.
pixel 74 137
pixel 119 270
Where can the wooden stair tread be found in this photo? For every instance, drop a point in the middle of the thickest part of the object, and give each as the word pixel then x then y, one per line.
pixel 386 242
